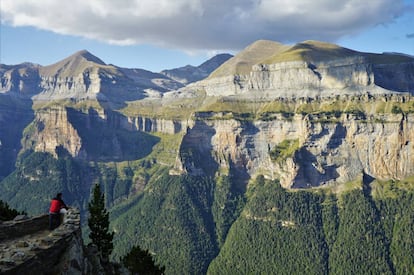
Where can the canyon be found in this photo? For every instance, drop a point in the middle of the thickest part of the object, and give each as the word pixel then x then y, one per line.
pixel 311 116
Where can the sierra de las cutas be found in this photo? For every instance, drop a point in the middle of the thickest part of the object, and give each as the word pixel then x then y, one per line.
pixel 282 159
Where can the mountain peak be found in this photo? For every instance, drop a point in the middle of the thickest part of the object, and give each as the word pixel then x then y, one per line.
pixel 252 54
pixel 189 73
pixel 214 62
pixel 84 54
pixel 74 64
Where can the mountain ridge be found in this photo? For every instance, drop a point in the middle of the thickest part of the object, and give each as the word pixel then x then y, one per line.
pixel 270 70
pixel 245 59
pixel 262 51
pixel 74 64
pixel 189 73
pixel 270 52
pixel 82 75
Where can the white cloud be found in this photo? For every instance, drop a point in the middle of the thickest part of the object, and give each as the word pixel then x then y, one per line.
pixel 201 24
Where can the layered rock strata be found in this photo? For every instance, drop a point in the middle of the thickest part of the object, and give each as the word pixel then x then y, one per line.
pixel 329 150
pixel 349 76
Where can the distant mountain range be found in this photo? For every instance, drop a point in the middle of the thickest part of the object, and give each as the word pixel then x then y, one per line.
pixel 189 74
pixel 265 69
pixel 83 75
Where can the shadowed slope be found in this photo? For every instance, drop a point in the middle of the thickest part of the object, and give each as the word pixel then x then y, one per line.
pixel 311 51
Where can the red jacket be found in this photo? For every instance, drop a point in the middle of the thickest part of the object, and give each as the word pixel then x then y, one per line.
pixel 56 205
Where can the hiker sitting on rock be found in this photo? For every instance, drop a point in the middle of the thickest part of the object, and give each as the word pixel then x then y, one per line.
pixel 57 207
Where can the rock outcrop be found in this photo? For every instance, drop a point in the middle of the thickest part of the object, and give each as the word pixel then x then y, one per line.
pixel 28 245
pixel 154 125
pixel 50 129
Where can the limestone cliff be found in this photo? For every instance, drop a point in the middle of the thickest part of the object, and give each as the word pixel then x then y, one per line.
pixel 153 125
pixel 51 129
pixel 328 148
pixel 304 79
pixel 323 150
pixel 93 134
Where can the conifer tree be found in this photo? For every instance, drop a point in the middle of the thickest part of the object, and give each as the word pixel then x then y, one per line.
pixel 139 261
pixel 7 213
pixel 98 223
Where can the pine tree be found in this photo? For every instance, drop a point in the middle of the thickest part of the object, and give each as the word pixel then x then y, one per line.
pixel 7 213
pixel 98 223
pixel 140 261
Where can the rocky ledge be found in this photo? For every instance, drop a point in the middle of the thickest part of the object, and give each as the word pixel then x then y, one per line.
pixel 33 247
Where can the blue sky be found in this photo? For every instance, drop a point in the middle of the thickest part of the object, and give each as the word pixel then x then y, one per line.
pixel 164 34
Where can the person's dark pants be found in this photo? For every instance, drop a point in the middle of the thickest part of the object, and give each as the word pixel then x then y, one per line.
pixel 54 220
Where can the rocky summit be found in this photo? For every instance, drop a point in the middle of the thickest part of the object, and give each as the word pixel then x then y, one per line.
pixel 197 154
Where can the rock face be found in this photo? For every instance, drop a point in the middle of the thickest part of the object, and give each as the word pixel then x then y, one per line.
pixel 23 79
pixel 290 79
pixel 154 125
pixel 52 129
pixel 29 245
pixel 331 150
pixel 327 152
pixel 80 133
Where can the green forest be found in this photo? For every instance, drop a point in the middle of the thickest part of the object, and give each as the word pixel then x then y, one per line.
pixel 219 225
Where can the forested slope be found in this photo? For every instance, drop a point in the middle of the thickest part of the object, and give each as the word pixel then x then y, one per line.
pixel 197 225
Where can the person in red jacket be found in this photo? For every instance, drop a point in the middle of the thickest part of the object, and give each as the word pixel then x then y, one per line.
pixel 57 207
